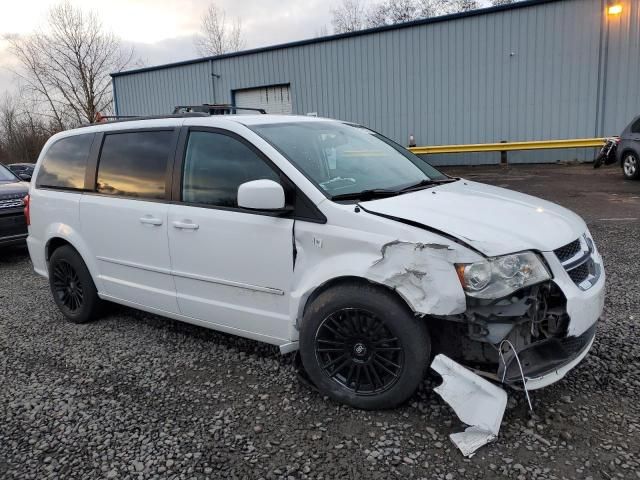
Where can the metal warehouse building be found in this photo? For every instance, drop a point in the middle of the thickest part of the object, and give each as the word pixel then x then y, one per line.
pixel 534 70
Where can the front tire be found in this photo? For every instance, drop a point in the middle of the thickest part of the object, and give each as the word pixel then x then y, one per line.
pixel 72 287
pixel 361 345
pixel 631 166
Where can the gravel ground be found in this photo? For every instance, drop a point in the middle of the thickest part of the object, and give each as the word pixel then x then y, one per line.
pixel 135 396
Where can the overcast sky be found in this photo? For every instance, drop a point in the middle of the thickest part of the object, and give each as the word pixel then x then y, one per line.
pixel 162 30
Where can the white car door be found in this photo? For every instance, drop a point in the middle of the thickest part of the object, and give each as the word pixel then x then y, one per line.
pixel 232 267
pixel 125 221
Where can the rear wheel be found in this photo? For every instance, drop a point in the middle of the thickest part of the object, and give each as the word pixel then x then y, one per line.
pixel 362 346
pixel 72 286
pixel 631 166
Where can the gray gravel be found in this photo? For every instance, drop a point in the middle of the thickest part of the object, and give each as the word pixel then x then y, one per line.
pixel 137 396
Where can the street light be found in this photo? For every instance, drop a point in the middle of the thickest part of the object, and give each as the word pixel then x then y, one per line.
pixel 615 9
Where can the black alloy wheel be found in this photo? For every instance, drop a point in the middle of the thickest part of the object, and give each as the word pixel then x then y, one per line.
pixel 68 287
pixel 360 344
pixel 72 286
pixel 357 350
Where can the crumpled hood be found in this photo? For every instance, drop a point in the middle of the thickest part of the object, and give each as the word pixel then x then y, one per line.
pixel 493 220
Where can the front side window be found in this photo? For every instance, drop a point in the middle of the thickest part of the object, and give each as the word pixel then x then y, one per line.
pixel 346 159
pixel 134 164
pixel 216 165
pixel 65 163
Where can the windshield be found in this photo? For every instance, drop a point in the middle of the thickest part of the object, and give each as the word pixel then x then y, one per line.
pixel 6 175
pixel 345 159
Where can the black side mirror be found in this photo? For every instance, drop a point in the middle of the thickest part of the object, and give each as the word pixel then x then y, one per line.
pixel 25 176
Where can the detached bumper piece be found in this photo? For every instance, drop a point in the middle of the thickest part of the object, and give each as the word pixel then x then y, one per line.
pixel 544 357
pixel 476 401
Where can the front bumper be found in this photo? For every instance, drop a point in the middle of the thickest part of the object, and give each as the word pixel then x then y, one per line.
pixel 13 227
pixel 548 361
pixel 559 372
pixel 551 326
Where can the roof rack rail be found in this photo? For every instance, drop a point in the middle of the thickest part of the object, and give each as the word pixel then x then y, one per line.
pixel 222 109
pixel 133 118
pixel 180 111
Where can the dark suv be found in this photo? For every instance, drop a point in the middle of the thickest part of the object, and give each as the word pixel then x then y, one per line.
pixel 13 227
pixel 629 150
pixel 22 170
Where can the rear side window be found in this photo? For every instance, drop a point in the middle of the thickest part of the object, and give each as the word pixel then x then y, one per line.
pixel 216 165
pixel 65 163
pixel 134 164
pixel 635 128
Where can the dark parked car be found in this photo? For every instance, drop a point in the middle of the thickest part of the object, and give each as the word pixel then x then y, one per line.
pixel 13 226
pixel 629 150
pixel 23 170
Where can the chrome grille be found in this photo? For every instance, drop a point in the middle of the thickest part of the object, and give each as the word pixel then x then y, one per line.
pixel 568 251
pixel 11 201
pixel 577 258
pixel 580 273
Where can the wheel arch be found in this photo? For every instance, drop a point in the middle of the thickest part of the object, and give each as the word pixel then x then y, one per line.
pixel 630 151
pixel 625 151
pixel 55 243
pixel 62 235
pixel 343 280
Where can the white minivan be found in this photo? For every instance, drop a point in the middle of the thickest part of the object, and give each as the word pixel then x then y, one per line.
pixel 317 235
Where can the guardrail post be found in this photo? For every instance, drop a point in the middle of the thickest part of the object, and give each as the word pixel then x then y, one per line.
pixel 503 155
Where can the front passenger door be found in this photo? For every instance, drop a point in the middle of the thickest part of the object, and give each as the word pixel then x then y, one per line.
pixel 232 267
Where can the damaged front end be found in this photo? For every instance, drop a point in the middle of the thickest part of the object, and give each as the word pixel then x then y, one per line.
pixel 533 322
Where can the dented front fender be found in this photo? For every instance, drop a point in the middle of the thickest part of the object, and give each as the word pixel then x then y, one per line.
pixel 423 274
pixel 417 264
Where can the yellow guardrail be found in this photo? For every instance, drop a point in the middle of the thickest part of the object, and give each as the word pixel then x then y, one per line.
pixel 510 146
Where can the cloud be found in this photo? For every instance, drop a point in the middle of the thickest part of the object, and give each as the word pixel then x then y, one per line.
pixel 161 31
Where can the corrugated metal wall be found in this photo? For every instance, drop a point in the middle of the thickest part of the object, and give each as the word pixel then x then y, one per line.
pixel 530 73
pixel 622 82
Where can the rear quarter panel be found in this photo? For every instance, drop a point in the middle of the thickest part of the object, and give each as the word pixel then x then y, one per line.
pixel 56 214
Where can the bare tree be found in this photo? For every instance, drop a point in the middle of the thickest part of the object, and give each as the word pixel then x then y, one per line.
pixel 66 64
pixel 349 16
pixel 502 2
pixel 23 133
pixel 394 11
pixel 455 6
pixel 216 35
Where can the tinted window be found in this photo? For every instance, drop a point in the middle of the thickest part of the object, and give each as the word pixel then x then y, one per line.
pixel 134 164
pixel 215 166
pixel 65 163
pixel 635 128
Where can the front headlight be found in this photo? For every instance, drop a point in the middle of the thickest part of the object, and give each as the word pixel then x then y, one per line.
pixel 499 276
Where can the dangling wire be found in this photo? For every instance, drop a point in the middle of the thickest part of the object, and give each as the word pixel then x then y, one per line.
pixel 504 373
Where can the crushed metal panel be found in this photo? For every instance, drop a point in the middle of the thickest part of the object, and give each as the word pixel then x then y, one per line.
pixel 476 401
pixel 423 274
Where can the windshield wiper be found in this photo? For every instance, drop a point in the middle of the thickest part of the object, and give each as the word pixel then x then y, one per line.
pixel 366 194
pixel 383 192
pixel 427 182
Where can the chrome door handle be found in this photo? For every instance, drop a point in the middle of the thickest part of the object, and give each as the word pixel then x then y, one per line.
pixel 149 220
pixel 186 225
